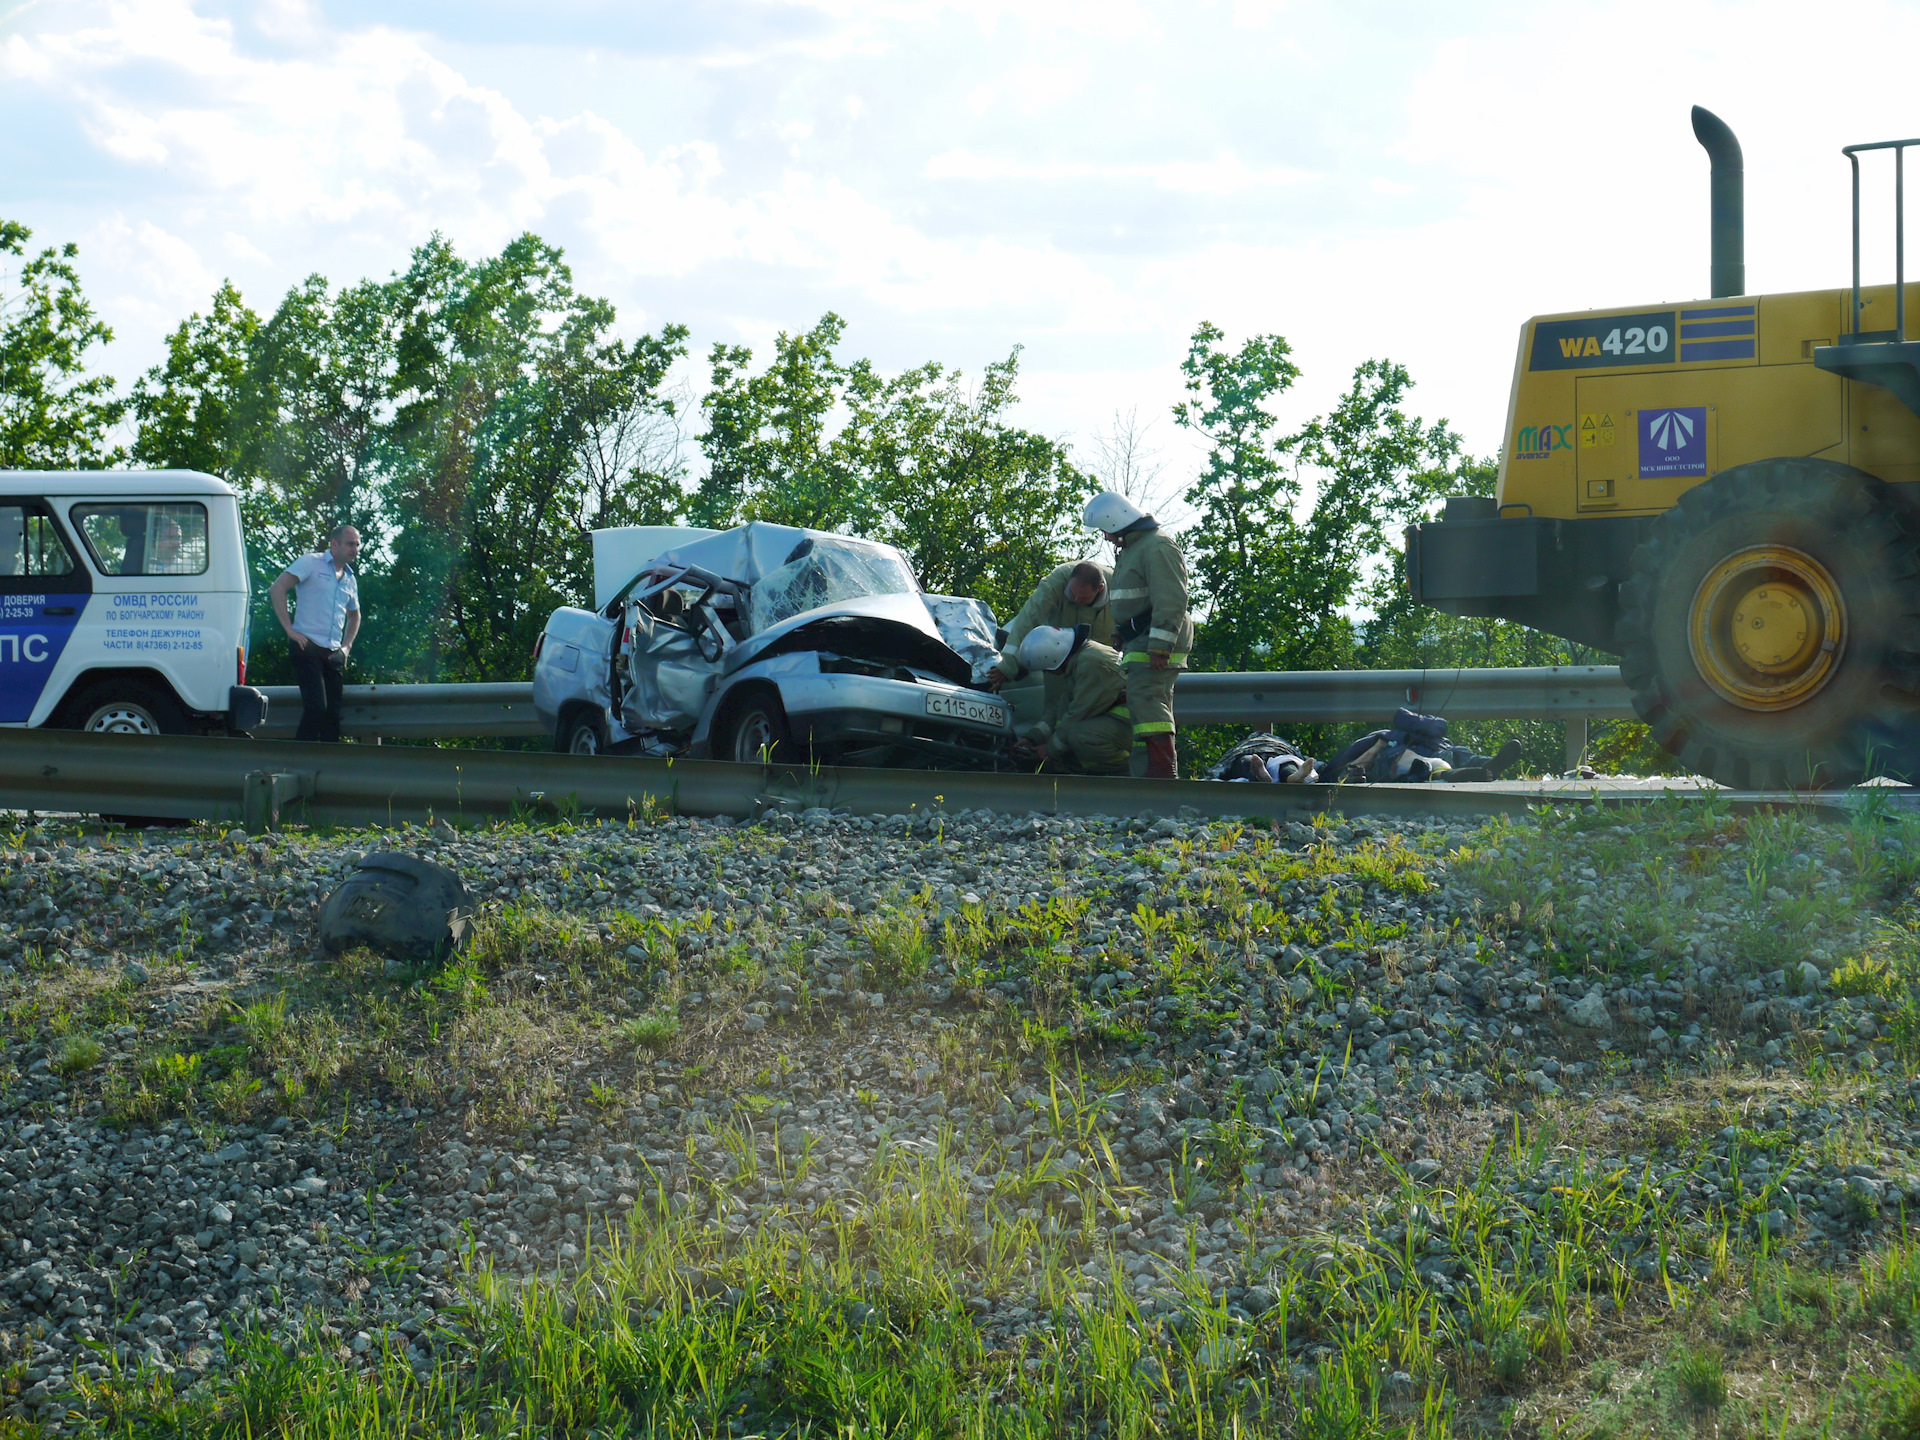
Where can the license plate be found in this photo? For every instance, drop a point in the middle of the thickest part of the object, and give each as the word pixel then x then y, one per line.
pixel 965 707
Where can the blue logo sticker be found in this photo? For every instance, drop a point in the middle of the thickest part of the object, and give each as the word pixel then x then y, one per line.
pixel 31 639
pixel 1673 442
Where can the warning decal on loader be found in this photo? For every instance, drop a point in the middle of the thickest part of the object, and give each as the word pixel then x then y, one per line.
pixel 1597 431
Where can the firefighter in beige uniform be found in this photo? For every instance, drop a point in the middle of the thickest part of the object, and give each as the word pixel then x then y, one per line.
pixel 1086 724
pixel 1151 625
pixel 1073 594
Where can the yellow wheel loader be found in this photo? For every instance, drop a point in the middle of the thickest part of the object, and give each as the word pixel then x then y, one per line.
pixel 1726 494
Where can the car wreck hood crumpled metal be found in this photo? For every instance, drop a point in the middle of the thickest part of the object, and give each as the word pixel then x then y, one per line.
pixel 811 590
pixel 887 629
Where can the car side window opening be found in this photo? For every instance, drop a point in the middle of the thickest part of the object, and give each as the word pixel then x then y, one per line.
pixel 145 537
pixel 726 609
pixel 30 545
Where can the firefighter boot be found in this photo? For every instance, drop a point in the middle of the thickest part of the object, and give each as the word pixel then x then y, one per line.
pixel 1163 761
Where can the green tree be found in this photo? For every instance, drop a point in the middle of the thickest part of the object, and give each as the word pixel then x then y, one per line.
pixel 1244 498
pixel 475 419
pixel 53 415
pixel 1289 528
pixel 981 507
pixel 288 412
pixel 1373 467
pixel 319 397
pixel 771 449
pixel 919 460
pixel 188 407
pixel 505 378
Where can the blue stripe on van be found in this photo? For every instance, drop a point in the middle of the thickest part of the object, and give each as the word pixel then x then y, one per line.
pixel 31 641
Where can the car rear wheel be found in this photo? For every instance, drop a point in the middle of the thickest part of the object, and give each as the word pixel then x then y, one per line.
pixel 757 733
pixel 127 708
pixel 583 733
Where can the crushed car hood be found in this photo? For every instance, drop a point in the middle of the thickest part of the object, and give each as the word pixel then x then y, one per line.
pixel 887 629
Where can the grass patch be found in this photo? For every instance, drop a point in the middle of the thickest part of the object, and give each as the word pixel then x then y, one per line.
pixel 652 1032
pixel 76 1055
pixel 901 951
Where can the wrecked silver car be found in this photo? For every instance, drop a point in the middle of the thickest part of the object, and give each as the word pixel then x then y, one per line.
pixel 773 642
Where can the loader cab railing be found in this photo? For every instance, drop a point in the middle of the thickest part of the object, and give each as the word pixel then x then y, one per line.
pixel 1898 334
pixel 1880 357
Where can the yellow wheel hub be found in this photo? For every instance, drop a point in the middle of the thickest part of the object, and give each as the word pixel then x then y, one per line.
pixel 1768 628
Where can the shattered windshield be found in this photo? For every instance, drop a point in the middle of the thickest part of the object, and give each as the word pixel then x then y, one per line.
pixel 822 572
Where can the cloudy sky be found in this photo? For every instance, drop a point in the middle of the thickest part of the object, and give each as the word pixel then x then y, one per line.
pixel 1086 180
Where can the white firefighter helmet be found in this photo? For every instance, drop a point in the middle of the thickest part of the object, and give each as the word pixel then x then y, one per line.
pixel 1047 647
pixel 1110 512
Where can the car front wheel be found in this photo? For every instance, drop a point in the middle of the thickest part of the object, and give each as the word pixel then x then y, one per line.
pixel 757 734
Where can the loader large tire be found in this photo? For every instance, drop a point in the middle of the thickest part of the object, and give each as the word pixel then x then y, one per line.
pixel 1770 628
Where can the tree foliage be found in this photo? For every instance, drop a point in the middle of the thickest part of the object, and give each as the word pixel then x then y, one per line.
pixel 53 415
pixel 981 506
pixel 505 378
pixel 772 447
pixel 1291 526
pixel 476 420
pixel 920 460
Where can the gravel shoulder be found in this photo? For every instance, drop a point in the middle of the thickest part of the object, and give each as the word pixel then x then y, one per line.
pixel 1440 1119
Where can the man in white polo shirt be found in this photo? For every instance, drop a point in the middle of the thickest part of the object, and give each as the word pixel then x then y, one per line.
pixel 326 617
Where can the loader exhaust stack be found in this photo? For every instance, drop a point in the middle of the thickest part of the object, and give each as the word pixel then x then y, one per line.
pixel 1729 203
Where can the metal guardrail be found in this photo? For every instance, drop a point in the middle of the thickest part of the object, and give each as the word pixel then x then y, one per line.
pixel 1312 697
pixel 1572 694
pixel 262 783
pixel 416 712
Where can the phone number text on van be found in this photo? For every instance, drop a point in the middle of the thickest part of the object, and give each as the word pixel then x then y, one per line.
pixel 173 640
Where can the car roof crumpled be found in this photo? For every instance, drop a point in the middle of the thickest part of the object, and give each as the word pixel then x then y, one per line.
pixel 747 552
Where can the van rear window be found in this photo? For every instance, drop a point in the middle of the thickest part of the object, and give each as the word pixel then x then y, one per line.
pixel 145 537
pixel 29 545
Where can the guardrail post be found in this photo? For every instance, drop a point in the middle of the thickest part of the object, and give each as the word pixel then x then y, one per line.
pixel 1576 742
pixel 263 793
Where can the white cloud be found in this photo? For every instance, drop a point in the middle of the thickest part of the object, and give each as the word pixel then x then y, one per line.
pixel 1223 174
pixel 159 277
pixel 1089 179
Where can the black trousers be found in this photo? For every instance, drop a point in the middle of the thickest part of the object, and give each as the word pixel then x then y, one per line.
pixel 320 674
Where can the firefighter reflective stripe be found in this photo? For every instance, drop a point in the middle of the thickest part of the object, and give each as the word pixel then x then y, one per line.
pixel 1158 634
pixel 1121 712
pixel 1127 592
pixel 1133 656
pixel 1153 727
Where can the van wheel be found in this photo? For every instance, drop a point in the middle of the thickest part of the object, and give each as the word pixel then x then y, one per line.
pixel 124 708
pixel 757 734
pixel 583 733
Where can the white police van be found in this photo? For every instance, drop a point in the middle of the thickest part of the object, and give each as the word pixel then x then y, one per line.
pixel 123 603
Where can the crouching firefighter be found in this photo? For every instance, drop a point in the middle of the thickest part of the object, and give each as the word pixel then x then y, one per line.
pixel 1085 725
pixel 1151 625
pixel 1074 594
